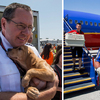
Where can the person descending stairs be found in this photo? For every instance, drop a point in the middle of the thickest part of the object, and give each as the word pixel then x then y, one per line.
pixel 77 80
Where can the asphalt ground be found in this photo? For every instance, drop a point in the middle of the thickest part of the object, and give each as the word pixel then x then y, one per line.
pixel 87 94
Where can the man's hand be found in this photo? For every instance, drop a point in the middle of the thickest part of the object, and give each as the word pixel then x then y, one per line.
pixel 74 33
pixel 96 64
pixel 49 92
pixel 98 71
pixel 39 84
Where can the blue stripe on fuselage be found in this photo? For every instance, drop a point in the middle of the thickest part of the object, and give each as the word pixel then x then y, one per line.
pixel 82 16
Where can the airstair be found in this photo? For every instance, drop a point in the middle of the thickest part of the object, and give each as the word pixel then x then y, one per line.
pixel 74 80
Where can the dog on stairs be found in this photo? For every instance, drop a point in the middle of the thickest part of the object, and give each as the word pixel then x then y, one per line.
pixel 34 66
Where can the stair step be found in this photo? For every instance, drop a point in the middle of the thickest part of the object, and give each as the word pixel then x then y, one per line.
pixel 71 59
pixel 74 74
pixel 75 59
pixel 73 80
pixel 68 56
pixel 66 46
pixel 76 80
pixel 78 87
pixel 70 69
pixel 67 49
pixel 70 64
pixel 67 52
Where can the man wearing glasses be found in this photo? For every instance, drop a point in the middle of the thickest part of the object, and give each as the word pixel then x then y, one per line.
pixel 17 25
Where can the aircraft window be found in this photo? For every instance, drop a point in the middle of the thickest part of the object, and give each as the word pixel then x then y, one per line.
pixel 91 23
pixel 81 22
pixel 95 23
pixel 99 24
pixel 76 21
pixel 86 22
pixel 70 21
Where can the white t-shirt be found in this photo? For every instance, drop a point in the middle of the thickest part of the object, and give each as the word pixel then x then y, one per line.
pixel 9 74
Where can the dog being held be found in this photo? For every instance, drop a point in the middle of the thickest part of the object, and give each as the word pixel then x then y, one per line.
pixel 34 66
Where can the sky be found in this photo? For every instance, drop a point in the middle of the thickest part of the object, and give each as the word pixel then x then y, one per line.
pixel 50 13
pixel 50 16
pixel 89 6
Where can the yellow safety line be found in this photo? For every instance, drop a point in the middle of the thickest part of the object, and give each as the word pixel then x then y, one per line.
pixel 71 69
pixel 76 59
pixel 66 46
pixel 67 52
pixel 77 81
pixel 75 75
pixel 68 56
pixel 70 64
pixel 67 70
pixel 71 59
pixel 75 64
pixel 79 88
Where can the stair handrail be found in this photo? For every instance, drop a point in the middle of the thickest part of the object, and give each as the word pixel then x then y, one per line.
pixel 88 52
pixel 67 24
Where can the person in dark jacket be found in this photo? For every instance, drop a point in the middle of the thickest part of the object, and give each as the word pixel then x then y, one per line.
pixel 57 66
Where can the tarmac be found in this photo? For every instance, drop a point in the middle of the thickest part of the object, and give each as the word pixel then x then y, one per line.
pixel 87 94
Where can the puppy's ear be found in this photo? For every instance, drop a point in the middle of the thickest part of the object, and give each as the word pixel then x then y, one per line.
pixel 9 50
pixel 15 47
pixel 19 48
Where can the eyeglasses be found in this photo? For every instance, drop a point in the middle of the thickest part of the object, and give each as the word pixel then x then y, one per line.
pixel 22 27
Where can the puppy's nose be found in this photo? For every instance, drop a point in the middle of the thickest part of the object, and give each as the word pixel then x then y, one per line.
pixel 9 50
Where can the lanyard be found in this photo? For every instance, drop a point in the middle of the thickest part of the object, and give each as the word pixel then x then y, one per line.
pixel 2 45
pixel 21 70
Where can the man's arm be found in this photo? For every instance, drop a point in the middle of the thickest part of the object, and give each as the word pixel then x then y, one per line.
pixel 50 91
pixel 44 95
pixel 13 96
pixel 59 89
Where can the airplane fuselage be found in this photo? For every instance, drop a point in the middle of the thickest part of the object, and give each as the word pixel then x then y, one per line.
pixel 90 26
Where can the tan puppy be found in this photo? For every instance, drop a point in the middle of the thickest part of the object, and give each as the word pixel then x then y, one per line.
pixel 35 67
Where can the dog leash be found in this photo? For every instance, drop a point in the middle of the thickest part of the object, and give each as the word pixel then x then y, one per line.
pixel 21 70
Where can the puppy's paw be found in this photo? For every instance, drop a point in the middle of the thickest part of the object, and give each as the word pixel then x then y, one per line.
pixel 25 82
pixel 32 92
